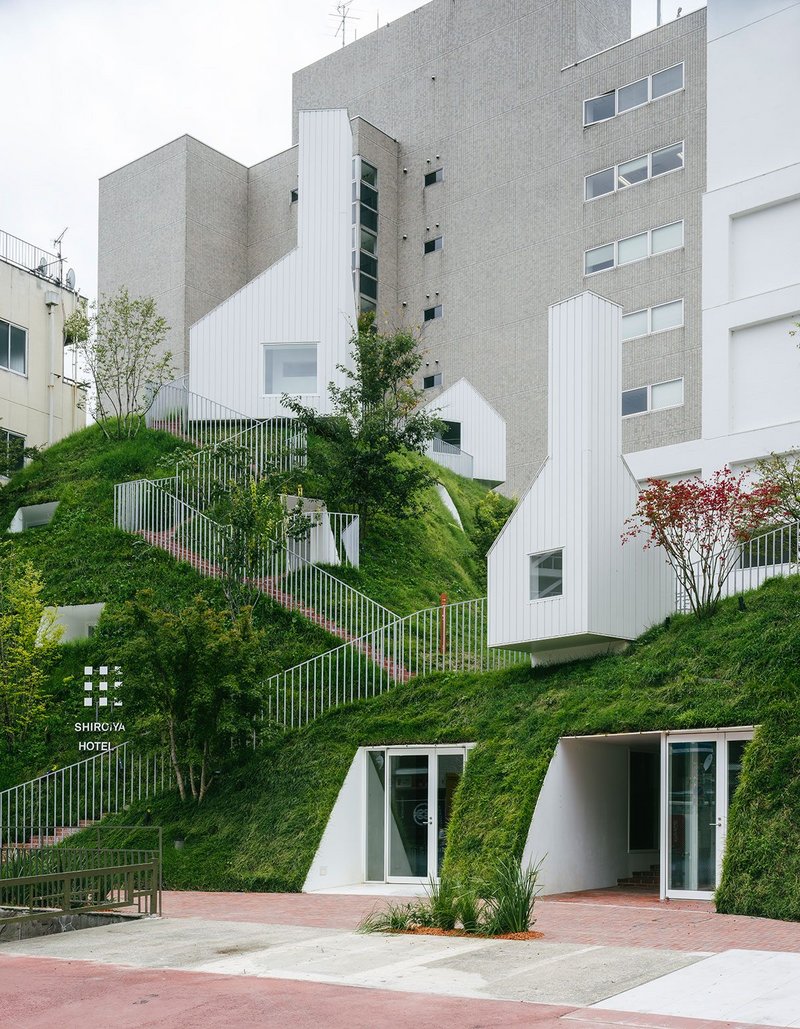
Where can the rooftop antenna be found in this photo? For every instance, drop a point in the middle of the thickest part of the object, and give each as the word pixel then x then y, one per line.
pixel 343 15
pixel 57 245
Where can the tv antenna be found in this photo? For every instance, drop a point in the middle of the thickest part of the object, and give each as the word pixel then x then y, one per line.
pixel 57 245
pixel 343 15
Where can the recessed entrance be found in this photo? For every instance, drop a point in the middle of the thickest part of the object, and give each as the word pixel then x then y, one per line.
pixel 408 804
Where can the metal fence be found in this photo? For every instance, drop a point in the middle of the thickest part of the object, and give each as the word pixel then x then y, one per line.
pixel 454 458
pixel 26 255
pixel 71 798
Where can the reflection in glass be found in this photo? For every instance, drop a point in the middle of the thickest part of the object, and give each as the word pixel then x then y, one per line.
pixel 408 827
pixel 449 769
pixel 735 754
pixel 600 183
pixel 376 814
pixel 632 96
pixel 693 815
pixel 599 108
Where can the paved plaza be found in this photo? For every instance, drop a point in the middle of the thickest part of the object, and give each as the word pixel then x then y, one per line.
pixel 605 959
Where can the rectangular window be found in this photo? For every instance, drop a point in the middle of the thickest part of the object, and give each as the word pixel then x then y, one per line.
pixel 12 452
pixel 369 196
pixel 293 194
pixel 431 245
pixel 547 575
pixel 653 319
pixel 369 173
pixel 369 265
pixel 434 176
pixel 635 94
pixel 369 241
pixel 367 305
pixel 290 368
pixel 452 434
pixel 369 218
pixel 633 248
pixel 634 324
pixel 632 173
pixel 652 398
pixel 13 348
pixel 432 312
pixel 432 380
pixel 369 286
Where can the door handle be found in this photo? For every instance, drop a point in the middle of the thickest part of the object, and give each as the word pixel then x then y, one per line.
pixel 717 824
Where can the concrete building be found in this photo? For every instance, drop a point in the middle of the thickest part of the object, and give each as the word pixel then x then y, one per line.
pixel 39 394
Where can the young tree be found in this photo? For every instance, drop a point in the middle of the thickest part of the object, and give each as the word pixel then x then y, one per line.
pixel 189 680
pixel 120 343
pixel 374 428
pixel 783 471
pixel 28 641
pixel 491 514
pixel 699 523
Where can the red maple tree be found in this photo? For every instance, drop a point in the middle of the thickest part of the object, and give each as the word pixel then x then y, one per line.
pixel 700 523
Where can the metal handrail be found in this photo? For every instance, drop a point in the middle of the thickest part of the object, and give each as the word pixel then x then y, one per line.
pixel 448 456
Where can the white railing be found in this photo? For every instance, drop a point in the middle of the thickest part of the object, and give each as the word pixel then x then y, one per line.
pixel 773 553
pixel 450 638
pixel 454 458
pixel 81 793
pixel 277 568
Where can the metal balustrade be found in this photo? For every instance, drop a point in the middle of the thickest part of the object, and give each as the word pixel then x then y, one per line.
pixel 73 797
pixel 766 556
pixel 448 456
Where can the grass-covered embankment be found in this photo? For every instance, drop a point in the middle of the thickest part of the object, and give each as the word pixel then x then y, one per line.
pixel 262 823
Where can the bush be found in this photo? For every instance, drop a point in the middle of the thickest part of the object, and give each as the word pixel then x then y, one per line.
pixel 510 900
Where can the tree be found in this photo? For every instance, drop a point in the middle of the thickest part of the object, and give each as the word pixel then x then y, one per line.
pixel 783 471
pixel 120 343
pixel 375 427
pixel 28 642
pixel 491 514
pixel 189 680
pixel 700 523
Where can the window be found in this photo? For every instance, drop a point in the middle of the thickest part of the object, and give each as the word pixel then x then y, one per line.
pixel 12 451
pixel 631 173
pixel 369 242
pixel 432 380
pixel 366 305
pixel 369 196
pixel 547 575
pixel 431 245
pixel 452 434
pixel 365 233
pixel 653 319
pixel 432 312
pixel 434 176
pixel 633 248
pixel 368 286
pixel 13 348
pixel 369 173
pixel 652 398
pixel 635 94
pixel 293 196
pixel 369 218
pixel 290 368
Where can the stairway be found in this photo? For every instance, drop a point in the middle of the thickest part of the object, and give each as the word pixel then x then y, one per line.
pixel 647 880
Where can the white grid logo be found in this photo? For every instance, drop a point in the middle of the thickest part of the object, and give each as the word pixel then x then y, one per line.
pixel 102 692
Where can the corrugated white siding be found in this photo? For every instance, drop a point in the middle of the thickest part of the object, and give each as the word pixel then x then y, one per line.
pixel 483 430
pixel 307 297
pixel 578 502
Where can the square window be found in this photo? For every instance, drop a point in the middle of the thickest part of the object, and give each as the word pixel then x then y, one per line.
pixel 667 316
pixel 599 259
pixel 634 324
pixel 631 172
pixel 600 183
pixel 599 108
pixel 634 401
pixel 434 176
pixel 667 237
pixel 432 312
pixel 431 245
pixel 290 368
pixel 432 380
pixel 369 173
pixel 667 160
pixel 634 248
pixel 667 81
pixel 666 394
pixel 632 96
pixel 547 575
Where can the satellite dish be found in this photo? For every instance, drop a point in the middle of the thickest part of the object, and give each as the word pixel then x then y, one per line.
pixel 71 279
pixel 42 266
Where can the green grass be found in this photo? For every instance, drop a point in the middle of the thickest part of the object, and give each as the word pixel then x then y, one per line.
pixel 262 823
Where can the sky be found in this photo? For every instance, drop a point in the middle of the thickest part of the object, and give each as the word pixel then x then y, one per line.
pixel 90 85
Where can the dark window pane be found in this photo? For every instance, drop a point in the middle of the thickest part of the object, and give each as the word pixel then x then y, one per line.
pixel 367 304
pixel 432 380
pixel 434 176
pixel 369 265
pixel 17 350
pixel 369 173
pixel 634 401
pixel 600 183
pixel 369 196
pixel 293 196
pixel 433 312
pixel 452 433
pixel 369 241
pixel 667 81
pixel 631 96
pixel 599 108
pixel 4 338
pixel 668 159
pixel 433 244
pixel 369 218
pixel 369 286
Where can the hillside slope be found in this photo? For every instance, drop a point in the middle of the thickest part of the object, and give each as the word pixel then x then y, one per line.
pixel 261 827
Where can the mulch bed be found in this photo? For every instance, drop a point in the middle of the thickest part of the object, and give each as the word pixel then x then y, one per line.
pixel 430 931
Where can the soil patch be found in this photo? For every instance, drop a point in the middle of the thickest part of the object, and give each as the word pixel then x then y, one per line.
pixel 424 930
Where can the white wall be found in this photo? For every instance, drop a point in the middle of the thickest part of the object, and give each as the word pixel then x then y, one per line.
pixel 306 297
pixel 483 430
pixel 76 619
pixel 339 860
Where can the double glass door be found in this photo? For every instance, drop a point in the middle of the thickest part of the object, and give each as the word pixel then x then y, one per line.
pixel 409 801
pixel 702 776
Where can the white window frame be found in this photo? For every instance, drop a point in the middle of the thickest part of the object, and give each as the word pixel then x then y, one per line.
pixel 546 553
pixel 650 330
pixel 615 243
pixel 650 409
pixel 616 167
pixel 650 98
pixel 282 346
pixel 7 368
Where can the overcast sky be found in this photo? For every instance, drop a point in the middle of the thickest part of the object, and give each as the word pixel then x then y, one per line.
pixel 89 85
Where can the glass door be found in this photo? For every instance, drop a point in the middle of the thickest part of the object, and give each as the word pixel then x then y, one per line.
pixel 702 775
pixel 410 818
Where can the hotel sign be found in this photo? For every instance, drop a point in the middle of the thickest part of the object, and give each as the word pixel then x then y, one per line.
pixel 102 699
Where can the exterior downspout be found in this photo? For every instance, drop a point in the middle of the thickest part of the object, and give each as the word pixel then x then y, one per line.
pixel 51 300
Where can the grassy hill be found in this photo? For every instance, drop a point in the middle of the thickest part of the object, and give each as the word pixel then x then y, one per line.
pixel 260 827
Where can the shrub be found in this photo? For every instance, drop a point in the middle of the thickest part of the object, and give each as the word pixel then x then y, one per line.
pixel 510 898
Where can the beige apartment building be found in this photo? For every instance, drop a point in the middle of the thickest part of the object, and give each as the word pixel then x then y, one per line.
pixel 40 399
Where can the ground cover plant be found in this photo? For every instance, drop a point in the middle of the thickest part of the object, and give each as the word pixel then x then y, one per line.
pixel 261 830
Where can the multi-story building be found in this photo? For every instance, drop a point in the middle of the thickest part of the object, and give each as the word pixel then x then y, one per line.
pixel 40 399
pixel 469 171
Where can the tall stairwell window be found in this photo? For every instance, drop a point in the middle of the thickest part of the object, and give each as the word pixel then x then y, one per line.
pixel 547 574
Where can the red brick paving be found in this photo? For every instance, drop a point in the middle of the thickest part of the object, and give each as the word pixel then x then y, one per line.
pixel 604 918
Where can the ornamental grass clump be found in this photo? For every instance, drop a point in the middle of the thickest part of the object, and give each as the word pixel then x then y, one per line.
pixel 511 897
